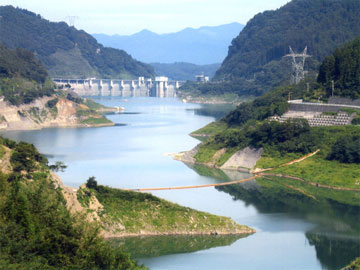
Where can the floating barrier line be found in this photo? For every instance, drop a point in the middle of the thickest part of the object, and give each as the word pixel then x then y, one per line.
pixel 257 174
pixel 199 186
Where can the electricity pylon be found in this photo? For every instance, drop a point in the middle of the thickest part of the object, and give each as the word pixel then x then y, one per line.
pixel 298 62
pixel 71 20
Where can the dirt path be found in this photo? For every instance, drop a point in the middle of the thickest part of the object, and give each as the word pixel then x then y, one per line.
pixel 300 159
pixel 258 170
pixel 5 165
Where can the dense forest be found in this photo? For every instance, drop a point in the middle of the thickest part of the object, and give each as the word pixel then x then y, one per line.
pixel 64 50
pixel 343 67
pixel 22 76
pixel 255 62
pixel 36 229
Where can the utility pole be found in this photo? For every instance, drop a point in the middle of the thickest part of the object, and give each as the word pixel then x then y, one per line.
pixel 332 88
pixel 0 23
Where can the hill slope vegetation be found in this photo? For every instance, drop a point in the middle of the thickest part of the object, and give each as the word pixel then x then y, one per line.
pixel 64 50
pixel 37 230
pixel 247 126
pixel 22 77
pixel 255 62
pixel 343 67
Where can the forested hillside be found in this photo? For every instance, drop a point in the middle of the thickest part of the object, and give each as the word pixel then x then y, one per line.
pixel 64 50
pixel 22 77
pixel 255 62
pixel 343 67
pixel 247 125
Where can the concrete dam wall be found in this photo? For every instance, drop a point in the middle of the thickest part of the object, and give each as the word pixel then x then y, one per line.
pixel 160 87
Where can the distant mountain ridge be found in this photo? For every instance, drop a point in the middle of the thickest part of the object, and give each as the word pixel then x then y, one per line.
pixel 180 71
pixel 202 46
pixel 66 51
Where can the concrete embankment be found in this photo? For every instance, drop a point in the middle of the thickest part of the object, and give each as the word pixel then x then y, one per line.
pixel 243 160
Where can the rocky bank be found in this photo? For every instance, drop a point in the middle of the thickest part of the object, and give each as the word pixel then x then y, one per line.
pixel 49 112
pixel 243 160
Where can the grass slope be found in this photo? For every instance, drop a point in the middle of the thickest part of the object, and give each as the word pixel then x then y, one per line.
pixel 143 213
pixel 318 168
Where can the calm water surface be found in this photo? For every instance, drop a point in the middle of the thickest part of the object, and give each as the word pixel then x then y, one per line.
pixel 134 154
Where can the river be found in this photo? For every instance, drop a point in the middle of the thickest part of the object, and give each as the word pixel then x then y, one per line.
pixel 292 233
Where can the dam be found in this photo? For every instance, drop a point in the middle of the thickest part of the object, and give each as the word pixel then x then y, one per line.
pixel 160 87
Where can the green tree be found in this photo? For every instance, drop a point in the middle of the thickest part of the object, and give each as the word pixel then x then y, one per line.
pixel 343 67
pixel 91 182
pixel 58 166
pixel 346 149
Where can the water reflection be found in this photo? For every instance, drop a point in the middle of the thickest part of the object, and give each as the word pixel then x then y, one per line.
pixel 217 111
pixel 335 214
pixel 334 251
pixel 154 246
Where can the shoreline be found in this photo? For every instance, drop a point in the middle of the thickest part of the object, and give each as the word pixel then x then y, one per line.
pixel 187 157
pixel 58 126
pixel 148 234
pixel 264 175
pixel 65 113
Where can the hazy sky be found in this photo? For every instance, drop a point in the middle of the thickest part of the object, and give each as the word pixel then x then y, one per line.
pixel 160 16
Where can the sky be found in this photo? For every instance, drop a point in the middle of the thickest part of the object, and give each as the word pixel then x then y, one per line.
pixel 125 17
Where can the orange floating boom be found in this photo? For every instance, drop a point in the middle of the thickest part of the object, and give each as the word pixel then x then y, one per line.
pixel 200 186
pixel 227 183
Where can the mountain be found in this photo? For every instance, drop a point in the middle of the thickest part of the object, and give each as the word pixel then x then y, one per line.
pixel 64 50
pixel 28 99
pixel 202 46
pixel 255 62
pixel 342 66
pixel 181 71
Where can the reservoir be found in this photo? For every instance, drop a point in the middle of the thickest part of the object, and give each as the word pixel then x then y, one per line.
pixel 294 231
